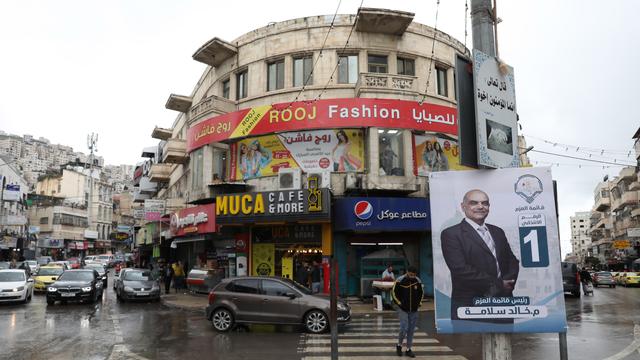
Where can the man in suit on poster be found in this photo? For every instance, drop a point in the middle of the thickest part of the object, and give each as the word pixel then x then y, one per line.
pixel 479 256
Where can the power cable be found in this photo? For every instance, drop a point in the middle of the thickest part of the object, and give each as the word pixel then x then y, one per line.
pixel 344 48
pixel 433 52
pixel 581 148
pixel 582 159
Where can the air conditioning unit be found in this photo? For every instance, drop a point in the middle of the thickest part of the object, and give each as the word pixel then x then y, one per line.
pixel 289 179
pixel 323 179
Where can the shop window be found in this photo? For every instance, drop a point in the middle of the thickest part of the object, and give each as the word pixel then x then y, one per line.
pixel 44 220
pixel 348 69
pixel 391 154
pixel 441 80
pixel 246 286
pixel 219 167
pixel 273 288
pixel 241 84
pixel 275 75
pixel 302 71
pixel 196 172
pixel 226 87
pixel 378 64
pixel 406 67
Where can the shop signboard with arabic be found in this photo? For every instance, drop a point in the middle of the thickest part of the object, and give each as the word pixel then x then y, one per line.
pixel 7 242
pixel 270 206
pixel 496 252
pixel 11 193
pixel 436 152
pixel 381 214
pixel 195 220
pixel 50 243
pixel 318 150
pixel 153 209
pixel 324 114
pixel 621 244
pixel 496 117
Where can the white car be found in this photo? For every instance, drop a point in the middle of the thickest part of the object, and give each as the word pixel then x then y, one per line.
pixel 15 285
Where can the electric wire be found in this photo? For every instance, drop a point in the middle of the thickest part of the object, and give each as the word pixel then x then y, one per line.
pixel 433 52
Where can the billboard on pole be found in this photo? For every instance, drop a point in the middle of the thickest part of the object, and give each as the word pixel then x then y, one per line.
pixel 496 251
pixel 496 117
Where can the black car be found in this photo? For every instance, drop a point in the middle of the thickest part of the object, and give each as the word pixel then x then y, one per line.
pixel 571 278
pixel 76 285
pixel 104 275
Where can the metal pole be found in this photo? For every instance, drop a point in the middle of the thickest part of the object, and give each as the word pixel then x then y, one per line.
pixel 482 26
pixel 563 346
pixel 333 321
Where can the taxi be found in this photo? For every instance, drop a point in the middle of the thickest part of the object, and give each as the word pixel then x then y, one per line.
pixel 46 276
pixel 631 279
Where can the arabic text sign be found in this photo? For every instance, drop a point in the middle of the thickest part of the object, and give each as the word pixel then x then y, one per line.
pixel 324 114
pixel 153 209
pixel 496 117
pixel 381 214
pixel 521 290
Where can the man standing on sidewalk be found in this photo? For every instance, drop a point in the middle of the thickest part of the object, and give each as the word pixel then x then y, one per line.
pixel 407 294
pixel 316 277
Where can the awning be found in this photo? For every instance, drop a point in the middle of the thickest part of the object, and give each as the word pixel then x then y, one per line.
pixel 176 241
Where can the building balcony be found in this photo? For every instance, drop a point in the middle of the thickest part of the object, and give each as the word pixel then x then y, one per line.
pixel 147 186
pixel 179 103
pixel 160 173
pixel 161 133
pixel 374 83
pixel 604 223
pixel 595 217
pixel 175 151
pixel 634 186
pixel 627 198
pixel 628 174
pixel 383 21
pixel 602 204
pixel 214 105
pixel 635 212
pixel 214 52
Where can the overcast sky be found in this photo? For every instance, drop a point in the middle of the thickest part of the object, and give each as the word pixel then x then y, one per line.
pixel 69 68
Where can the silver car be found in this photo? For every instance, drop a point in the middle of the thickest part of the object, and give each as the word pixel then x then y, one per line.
pixel 137 284
pixel 15 285
pixel 270 300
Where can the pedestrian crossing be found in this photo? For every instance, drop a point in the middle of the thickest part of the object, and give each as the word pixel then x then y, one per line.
pixel 372 338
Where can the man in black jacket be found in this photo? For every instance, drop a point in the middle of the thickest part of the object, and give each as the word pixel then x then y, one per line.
pixel 407 294
pixel 479 257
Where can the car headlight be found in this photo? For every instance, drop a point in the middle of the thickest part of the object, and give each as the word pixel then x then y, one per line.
pixel 86 289
pixel 128 289
pixel 51 289
pixel 342 307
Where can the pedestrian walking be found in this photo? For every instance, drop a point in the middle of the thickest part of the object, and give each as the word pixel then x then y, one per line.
pixel 316 277
pixel 407 294
pixel 168 276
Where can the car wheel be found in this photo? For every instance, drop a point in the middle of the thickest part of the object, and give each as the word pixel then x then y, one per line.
pixel 50 301
pixel 316 322
pixel 222 320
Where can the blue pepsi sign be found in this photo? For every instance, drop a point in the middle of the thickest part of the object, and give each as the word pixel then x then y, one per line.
pixel 381 214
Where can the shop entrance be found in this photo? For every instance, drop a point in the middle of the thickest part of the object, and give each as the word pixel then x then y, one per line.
pixel 368 256
pixel 282 250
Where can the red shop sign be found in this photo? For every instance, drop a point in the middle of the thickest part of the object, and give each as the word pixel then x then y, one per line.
pixel 196 220
pixel 324 114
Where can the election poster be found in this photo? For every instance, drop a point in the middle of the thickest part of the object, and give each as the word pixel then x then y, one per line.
pixel 319 150
pixel 436 152
pixel 496 252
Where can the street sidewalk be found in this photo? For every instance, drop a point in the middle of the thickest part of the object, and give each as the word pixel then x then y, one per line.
pixel 198 302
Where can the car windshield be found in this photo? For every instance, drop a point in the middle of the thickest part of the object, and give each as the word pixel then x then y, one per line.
pixel 97 268
pixel 103 257
pixel 11 276
pixel 76 276
pixel 604 274
pixel 138 276
pixel 51 271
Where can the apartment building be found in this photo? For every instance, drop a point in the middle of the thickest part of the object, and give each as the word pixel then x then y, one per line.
pixel 580 238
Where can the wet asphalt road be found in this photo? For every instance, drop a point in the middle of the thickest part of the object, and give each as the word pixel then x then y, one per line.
pixel 599 326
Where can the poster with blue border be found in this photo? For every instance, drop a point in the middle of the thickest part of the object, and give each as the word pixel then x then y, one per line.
pixel 496 252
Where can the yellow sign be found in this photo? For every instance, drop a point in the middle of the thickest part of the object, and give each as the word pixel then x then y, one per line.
pixel 287 267
pixel 263 260
pixel 435 153
pixel 247 204
pixel 621 244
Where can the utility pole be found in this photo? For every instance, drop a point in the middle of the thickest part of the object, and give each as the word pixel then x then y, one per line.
pixel 495 346
pixel 92 140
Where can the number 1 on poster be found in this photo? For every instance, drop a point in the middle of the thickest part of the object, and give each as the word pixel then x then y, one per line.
pixel 533 239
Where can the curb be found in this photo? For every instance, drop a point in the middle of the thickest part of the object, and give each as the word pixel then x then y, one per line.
pixel 173 305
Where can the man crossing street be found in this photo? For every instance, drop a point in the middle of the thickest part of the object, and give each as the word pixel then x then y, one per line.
pixel 407 294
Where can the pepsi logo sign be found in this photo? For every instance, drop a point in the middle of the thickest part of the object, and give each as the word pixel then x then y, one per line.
pixel 363 210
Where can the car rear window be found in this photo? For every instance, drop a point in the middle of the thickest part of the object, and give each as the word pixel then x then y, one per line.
pixel 11 276
pixel 603 274
pixel 246 286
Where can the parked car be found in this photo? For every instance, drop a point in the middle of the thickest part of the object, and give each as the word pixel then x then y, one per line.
pixel 136 284
pixel 76 285
pixel 570 278
pixel 618 278
pixel 46 276
pixel 44 260
pixel 104 274
pixel 603 278
pixel 15 285
pixel 630 279
pixel 270 300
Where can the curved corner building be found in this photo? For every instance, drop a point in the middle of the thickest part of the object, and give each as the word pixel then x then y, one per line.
pixel 302 140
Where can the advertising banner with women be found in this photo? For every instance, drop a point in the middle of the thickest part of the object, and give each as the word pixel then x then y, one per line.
pixel 319 150
pixel 435 152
